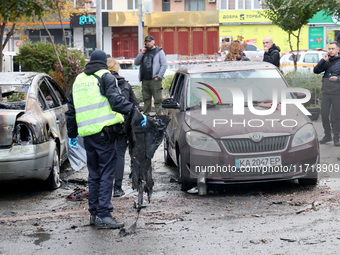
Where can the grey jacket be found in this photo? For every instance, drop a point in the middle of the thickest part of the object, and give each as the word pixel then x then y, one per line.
pixel 159 64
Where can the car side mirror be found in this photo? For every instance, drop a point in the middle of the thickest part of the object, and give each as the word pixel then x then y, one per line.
pixel 300 95
pixel 170 103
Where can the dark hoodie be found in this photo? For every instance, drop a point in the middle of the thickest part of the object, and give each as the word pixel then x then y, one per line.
pixel 126 89
pixel 111 91
pixel 273 56
pixel 331 67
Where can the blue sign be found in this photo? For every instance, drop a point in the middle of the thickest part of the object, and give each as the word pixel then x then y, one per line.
pixel 87 20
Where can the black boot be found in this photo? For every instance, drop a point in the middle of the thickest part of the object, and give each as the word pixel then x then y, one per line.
pixel 326 138
pixel 336 141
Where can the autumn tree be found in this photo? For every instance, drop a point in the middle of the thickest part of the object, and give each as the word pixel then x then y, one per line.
pixel 13 12
pixel 292 15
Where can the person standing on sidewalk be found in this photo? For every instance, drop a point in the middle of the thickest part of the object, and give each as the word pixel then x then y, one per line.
pixel 153 65
pixel 122 139
pixel 271 52
pixel 330 99
pixel 94 107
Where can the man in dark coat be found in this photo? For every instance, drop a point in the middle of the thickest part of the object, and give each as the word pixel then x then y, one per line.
pixel 330 100
pixel 271 52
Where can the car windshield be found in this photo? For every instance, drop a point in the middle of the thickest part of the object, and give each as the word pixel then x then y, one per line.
pixel 13 97
pixel 220 87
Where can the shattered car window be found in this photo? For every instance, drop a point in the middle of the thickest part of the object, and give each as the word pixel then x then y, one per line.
pixel 13 97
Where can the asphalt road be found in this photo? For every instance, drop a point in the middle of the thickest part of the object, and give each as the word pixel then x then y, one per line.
pixel 238 219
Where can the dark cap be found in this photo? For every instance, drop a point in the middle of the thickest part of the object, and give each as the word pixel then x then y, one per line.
pixel 98 55
pixel 149 38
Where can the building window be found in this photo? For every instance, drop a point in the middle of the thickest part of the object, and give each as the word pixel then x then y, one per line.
pixel 241 4
pixel 107 5
pixel 194 5
pixel 132 4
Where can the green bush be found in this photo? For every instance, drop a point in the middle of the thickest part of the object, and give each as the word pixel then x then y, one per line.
pixel 310 81
pixel 40 57
pixel 166 83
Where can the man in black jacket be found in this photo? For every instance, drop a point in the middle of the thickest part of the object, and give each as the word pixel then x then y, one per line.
pixel 271 52
pixel 330 100
pixel 93 109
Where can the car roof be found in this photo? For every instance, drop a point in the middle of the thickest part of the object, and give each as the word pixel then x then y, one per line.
pixel 15 78
pixel 225 67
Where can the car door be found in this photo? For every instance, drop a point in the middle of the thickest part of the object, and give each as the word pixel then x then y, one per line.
pixel 176 115
pixel 56 108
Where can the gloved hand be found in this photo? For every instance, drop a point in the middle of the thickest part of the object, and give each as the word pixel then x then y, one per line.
pixel 73 143
pixel 143 122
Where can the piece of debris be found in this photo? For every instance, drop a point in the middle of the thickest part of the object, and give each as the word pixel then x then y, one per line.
pixel 276 203
pixel 79 181
pixel 78 195
pixel 193 190
pixel 311 206
pixel 173 180
pixel 160 222
pixel 288 239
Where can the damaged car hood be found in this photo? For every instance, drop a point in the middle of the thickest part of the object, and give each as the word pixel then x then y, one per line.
pixel 7 125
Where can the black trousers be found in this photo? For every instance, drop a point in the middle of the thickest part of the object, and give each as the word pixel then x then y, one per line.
pixel 330 113
pixel 121 145
pixel 101 163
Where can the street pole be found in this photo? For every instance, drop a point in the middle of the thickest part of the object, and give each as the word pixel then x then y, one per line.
pixel 99 29
pixel 140 25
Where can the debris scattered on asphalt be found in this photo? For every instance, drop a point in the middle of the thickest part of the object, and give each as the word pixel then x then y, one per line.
pixel 309 207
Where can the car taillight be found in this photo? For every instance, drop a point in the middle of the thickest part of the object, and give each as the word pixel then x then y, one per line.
pixel 22 134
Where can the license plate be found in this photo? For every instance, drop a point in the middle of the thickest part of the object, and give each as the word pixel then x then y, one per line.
pixel 258 162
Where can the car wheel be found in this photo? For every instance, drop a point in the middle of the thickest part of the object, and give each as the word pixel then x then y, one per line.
pixel 53 180
pixel 167 159
pixel 311 179
pixel 185 184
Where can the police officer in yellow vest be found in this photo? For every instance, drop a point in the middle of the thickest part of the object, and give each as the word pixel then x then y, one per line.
pixel 95 106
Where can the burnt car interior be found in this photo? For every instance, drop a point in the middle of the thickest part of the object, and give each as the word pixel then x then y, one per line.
pixel 13 97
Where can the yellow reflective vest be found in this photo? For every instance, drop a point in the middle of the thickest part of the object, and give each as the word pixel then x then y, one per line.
pixel 93 111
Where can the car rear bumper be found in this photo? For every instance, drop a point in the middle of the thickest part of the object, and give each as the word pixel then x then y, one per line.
pixel 26 161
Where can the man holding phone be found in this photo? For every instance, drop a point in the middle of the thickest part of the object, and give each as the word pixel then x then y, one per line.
pixel 152 63
pixel 330 100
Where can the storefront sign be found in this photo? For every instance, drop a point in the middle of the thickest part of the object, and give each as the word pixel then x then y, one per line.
pixel 87 19
pixel 316 39
pixel 242 17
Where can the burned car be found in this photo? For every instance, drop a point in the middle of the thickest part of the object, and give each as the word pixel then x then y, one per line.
pixel 32 127
pixel 238 122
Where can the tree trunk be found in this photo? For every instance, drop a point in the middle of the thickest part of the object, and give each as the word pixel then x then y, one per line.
pixel 291 49
pixel 62 27
pixel 54 47
pixel 3 45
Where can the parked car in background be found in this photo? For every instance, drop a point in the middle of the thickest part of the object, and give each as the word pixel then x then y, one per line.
pixel 32 127
pixel 212 145
pixel 131 72
pixel 306 60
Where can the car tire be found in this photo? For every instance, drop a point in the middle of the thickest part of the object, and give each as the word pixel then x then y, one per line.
pixel 167 159
pixel 310 180
pixel 185 184
pixel 53 180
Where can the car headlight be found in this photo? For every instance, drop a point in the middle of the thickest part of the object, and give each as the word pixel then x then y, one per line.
pixel 201 141
pixel 304 135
